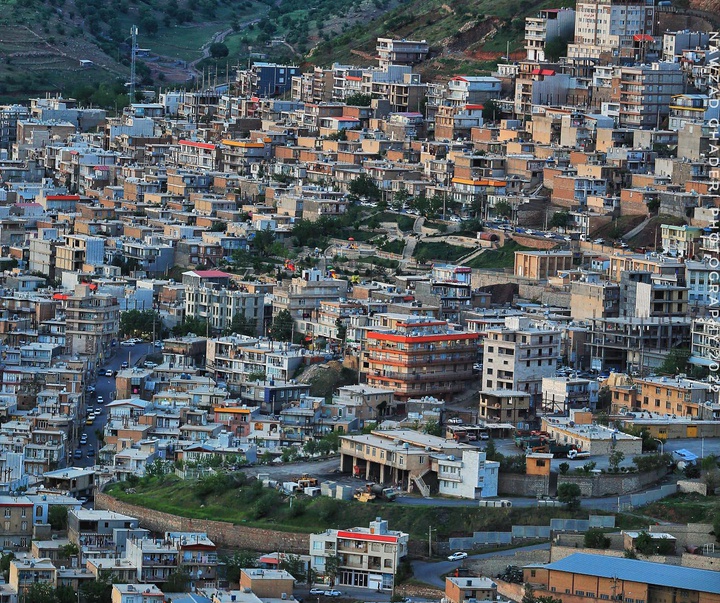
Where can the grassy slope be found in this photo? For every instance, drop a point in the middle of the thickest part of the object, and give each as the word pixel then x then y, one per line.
pixel 313 515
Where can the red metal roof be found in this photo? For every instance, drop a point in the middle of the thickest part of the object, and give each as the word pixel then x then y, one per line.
pixel 366 536
pixel 211 273
pixel 198 145
pixel 642 38
pixel 63 197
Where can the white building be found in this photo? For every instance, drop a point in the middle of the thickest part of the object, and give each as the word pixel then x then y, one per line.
pixel 468 476
pixel 549 24
pixel 369 556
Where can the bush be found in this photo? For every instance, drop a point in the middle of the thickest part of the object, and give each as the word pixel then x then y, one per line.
pixel 595 539
pixel 652 462
pixel 569 494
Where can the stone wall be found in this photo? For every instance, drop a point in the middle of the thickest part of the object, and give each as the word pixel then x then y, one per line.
pixel 518 484
pixel 222 533
pixel 686 486
pixel 492 566
pixel 692 534
pixel 608 485
pixel 560 552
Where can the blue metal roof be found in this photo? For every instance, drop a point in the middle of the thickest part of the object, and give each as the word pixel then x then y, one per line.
pixel 632 570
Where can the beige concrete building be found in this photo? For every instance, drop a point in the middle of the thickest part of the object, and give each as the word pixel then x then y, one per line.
pixel 92 322
pixel 540 265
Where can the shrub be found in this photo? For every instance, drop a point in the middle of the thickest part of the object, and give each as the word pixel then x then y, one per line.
pixel 596 539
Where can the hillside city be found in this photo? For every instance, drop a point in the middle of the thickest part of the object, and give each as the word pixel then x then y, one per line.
pixel 348 334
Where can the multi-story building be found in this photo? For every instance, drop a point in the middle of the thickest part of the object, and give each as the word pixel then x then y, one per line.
pixel 680 241
pixel 18 519
pixel 135 593
pixel 548 25
pixel 674 396
pixel 79 250
pixel 645 91
pixel 198 556
pixel 705 347
pixel 91 324
pixel 518 355
pixel 220 305
pixel 559 394
pixel 266 79
pixel 155 559
pixel 369 557
pixel 608 26
pixel 401 52
pixel 592 298
pixel 419 357
pixel 541 265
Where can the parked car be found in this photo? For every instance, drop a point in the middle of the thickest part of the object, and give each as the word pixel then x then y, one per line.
pixel 78 453
pixel 91 452
pixel 89 420
pixel 317 591
pixel 457 556
pixel 124 365
pixel 332 593
pixel 128 344
pixel 83 439
pixel 109 373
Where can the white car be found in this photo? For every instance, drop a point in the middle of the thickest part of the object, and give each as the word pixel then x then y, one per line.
pixel 332 593
pixel 457 556
pixel 128 344
pixel 317 591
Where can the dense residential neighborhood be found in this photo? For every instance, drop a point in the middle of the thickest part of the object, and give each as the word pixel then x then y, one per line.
pixel 341 332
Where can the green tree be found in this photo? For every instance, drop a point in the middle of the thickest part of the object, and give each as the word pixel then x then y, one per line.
pixel 177 582
pixel 139 323
pixel 97 591
pixel 358 100
pixel 263 241
pixel 235 562
pixel 433 428
pixel 5 564
pixel 242 325
pixel 40 592
pixel 293 565
pixel 282 326
pixel 502 209
pixel 564 468
pixel 569 495
pixel 149 25
pixel 528 594
pixel 556 48
pixel 560 219
pixel 198 326
pixel 716 528
pixel 491 110
pixel 491 451
pixel 595 539
pixel 616 457
pixel 68 551
pixel 364 186
pixel 65 594
pixel 57 517
pixel 332 566
pixel 675 362
pixel 218 50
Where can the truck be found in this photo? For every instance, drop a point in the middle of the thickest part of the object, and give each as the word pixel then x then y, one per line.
pixel 306 481
pixel 374 491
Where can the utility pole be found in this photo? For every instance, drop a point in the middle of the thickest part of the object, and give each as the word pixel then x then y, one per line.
pixel 133 51
pixel 430 531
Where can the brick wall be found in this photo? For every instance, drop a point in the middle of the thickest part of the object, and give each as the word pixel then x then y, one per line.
pixel 686 486
pixel 492 566
pixel 222 533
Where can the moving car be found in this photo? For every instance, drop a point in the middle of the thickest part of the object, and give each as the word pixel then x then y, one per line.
pixel 149 364
pixel 83 439
pixel 91 452
pixel 332 593
pixel 100 400
pixel 124 365
pixel 128 344
pixel 89 420
pixel 317 591
pixel 78 453
pixel 457 556
pixel 109 373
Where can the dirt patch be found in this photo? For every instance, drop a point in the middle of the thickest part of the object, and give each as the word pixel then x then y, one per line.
pixel 651 233
pixel 471 33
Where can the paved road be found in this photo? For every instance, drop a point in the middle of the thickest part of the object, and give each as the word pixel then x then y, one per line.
pixel 432 572
pixel 105 389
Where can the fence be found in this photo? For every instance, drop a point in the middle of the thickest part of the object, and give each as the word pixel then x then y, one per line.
pixel 531 532
pixel 645 498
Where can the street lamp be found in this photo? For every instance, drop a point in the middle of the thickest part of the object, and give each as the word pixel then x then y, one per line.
pixel 662 445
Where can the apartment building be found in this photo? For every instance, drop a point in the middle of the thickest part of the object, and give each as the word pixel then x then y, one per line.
pixel 459 589
pixel 608 26
pixel 302 295
pixel 675 396
pixel 78 251
pixel 548 25
pixel 419 357
pixel 155 559
pixel 644 93
pixel 219 306
pixel 136 593
pixel 400 52
pixel 593 298
pixel 91 324
pixel 517 355
pixel 369 557
pixel 17 518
